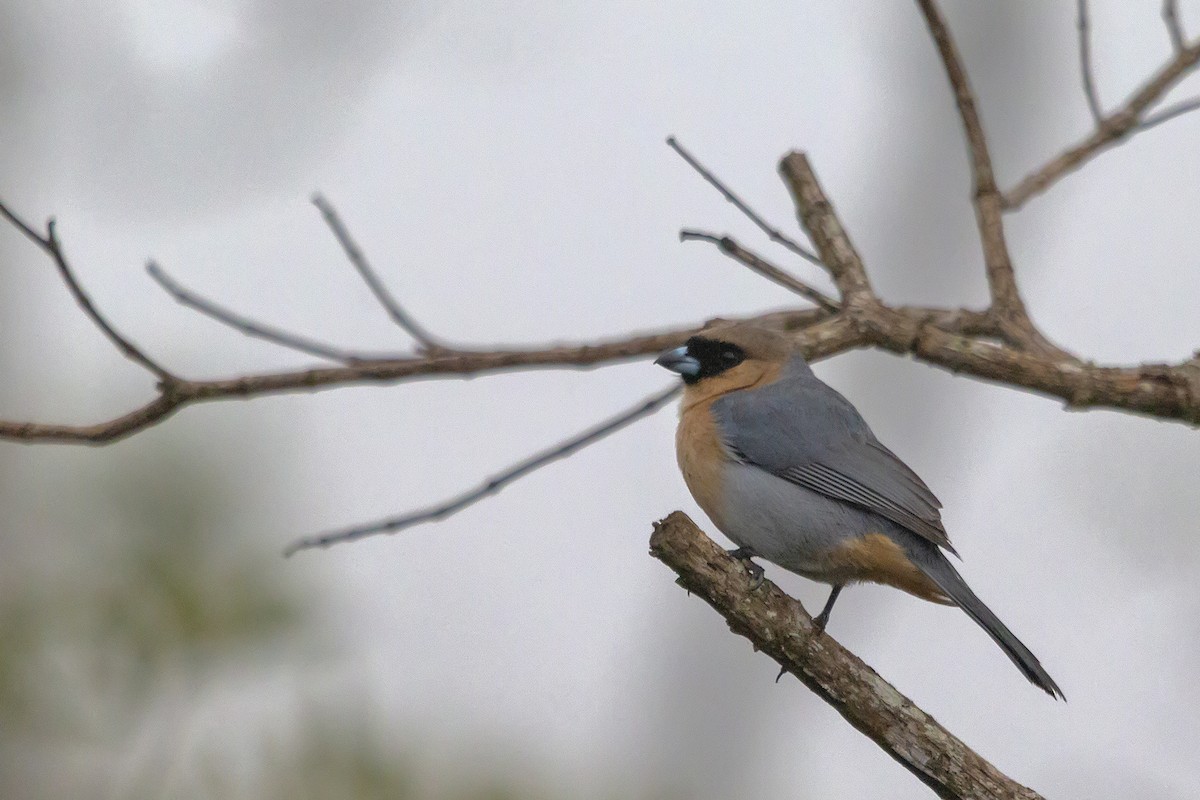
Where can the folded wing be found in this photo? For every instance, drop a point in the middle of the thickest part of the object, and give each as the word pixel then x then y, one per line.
pixel 803 431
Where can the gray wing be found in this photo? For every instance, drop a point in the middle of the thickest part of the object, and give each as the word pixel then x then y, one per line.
pixel 802 430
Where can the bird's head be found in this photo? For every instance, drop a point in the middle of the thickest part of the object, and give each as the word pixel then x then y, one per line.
pixel 725 357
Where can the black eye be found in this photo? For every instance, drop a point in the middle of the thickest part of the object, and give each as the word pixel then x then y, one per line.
pixel 714 357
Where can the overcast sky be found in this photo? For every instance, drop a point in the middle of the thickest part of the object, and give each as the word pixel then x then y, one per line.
pixel 503 164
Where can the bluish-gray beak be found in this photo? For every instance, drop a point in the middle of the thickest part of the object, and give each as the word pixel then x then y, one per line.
pixel 678 360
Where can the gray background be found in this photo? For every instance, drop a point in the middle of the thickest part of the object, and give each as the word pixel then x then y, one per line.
pixel 503 165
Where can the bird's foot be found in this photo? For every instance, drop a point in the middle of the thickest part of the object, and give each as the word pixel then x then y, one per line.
pixel 822 619
pixel 745 554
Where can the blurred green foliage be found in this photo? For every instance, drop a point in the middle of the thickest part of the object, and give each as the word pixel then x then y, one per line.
pixel 109 646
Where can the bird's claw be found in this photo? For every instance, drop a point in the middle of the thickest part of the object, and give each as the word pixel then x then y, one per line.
pixel 757 573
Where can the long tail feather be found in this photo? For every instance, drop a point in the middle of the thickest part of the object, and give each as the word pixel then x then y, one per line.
pixel 943 573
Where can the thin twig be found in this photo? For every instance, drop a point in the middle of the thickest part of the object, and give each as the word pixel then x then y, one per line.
pixel 53 247
pixel 756 263
pixel 1169 113
pixel 250 327
pixel 772 233
pixel 1170 15
pixel 360 263
pixel 1085 64
pixel 1119 125
pixel 494 484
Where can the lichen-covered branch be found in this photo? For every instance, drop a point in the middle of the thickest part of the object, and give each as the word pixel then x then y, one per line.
pixel 779 626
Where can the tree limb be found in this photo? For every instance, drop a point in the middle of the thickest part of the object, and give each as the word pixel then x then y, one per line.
pixel 779 626
pixel 1007 304
pixel 960 340
pixel 455 364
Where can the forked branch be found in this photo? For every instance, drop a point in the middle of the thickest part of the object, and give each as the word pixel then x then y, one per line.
pixel 1007 305
pixel 53 248
pixel 1133 116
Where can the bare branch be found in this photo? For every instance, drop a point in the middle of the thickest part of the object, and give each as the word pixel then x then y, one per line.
pixel 1119 125
pixel 1168 114
pixel 958 339
pixel 1085 64
pixel 1165 391
pixel 758 264
pixel 248 326
pixel 1170 15
pixel 1002 282
pixel 816 215
pixel 53 247
pixel 360 263
pixel 772 233
pixel 999 344
pixel 447 365
pixel 497 482
pixel 780 627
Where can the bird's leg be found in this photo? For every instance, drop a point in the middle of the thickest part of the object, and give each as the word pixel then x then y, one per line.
pixel 822 619
pixel 744 554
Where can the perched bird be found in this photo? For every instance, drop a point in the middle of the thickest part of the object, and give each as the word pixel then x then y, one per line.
pixel 789 471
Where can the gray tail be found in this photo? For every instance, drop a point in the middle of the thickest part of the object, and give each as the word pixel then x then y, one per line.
pixel 943 573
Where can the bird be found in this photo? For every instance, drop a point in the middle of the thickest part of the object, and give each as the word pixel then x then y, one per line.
pixel 791 473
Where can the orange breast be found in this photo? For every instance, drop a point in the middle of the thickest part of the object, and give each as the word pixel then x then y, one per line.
pixel 701 457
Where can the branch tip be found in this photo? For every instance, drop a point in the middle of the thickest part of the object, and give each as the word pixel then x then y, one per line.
pixel 358 260
pixel 817 217
pixel 1085 64
pixel 759 265
pixel 773 233
pixel 247 326
pixel 1170 15
pixel 51 245
pixel 493 484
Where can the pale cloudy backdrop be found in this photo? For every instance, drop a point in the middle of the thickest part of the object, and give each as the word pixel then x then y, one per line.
pixel 503 164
